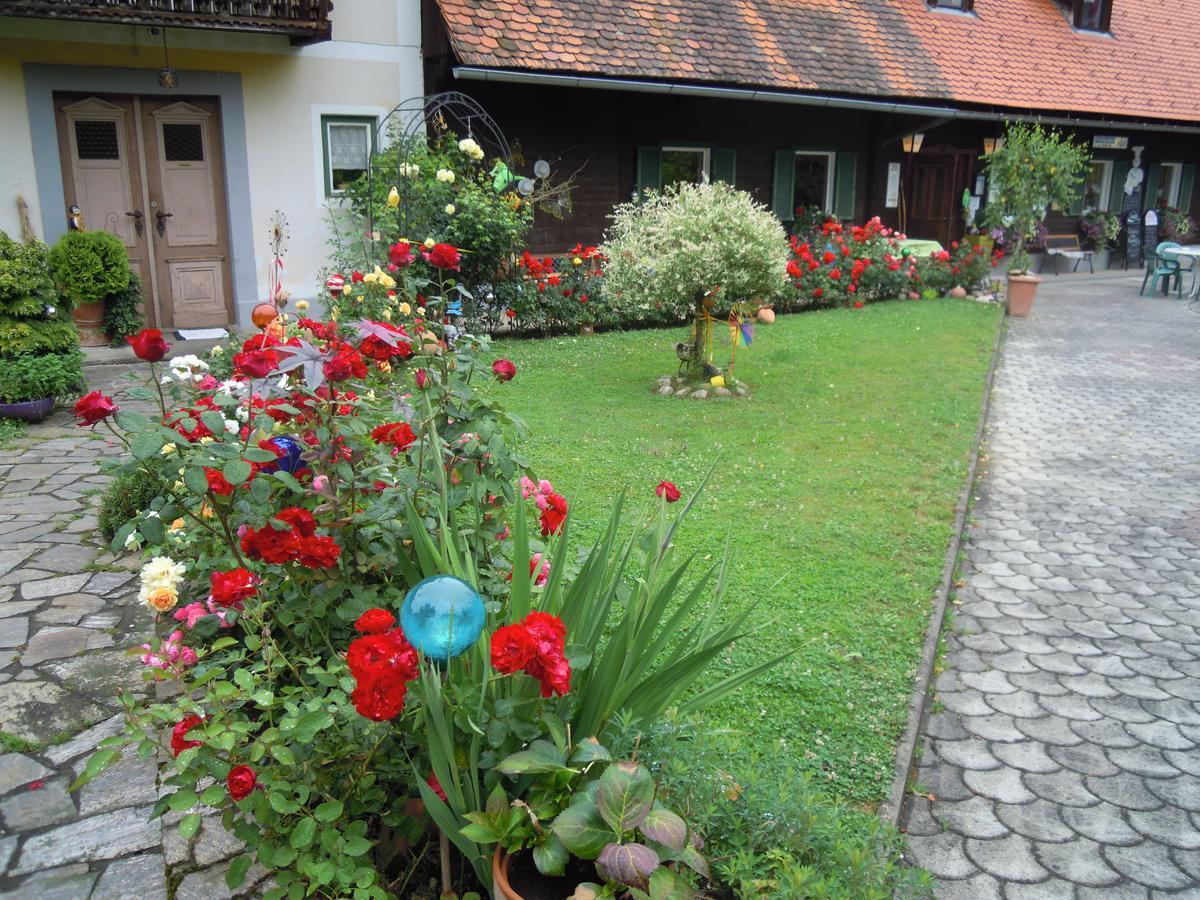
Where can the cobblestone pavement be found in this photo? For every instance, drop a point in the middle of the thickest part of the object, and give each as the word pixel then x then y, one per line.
pixel 68 613
pixel 1060 756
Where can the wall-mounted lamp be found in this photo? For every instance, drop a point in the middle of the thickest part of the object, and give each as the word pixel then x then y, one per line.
pixel 912 142
pixel 991 145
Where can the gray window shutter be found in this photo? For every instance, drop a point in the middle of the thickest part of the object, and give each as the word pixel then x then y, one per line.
pixel 649 168
pixel 784 185
pixel 1150 186
pixel 1116 191
pixel 844 183
pixel 724 165
pixel 1187 180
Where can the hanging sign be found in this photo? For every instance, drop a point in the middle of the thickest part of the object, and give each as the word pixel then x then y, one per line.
pixel 892 200
pixel 1110 142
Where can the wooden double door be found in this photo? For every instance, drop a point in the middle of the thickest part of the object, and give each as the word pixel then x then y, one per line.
pixel 938 178
pixel 150 170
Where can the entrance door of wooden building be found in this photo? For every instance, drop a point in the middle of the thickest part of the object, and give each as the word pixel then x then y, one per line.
pixel 150 171
pixel 938 177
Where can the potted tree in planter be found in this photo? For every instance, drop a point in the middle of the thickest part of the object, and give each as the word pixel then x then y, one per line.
pixel 1036 168
pixel 38 356
pixel 89 268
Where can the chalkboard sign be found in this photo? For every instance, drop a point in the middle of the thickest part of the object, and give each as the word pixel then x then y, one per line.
pixel 1133 238
pixel 1150 237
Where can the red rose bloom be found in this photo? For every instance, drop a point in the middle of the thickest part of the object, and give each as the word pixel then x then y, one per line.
pixel 241 781
pixel 233 587
pixel 218 483
pixel 513 647
pixel 504 369
pixel 667 491
pixel 380 697
pixel 318 553
pixel 436 786
pixel 398 434
pixel 422 378
pixel 93 408
pixel 554 515
pixel 179 741
pixel 400 254
pixel 374 654
pixel 255 363
pixel 374 621
pixel 443 256
pixel 344 365
pixel 298 518
pixel 271 546
pixel 148 344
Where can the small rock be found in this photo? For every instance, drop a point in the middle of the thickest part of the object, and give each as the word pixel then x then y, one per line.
pixel 665 389
pixel 664 379
pixel 700 394
pixel 723 392
pixel 682 392
pixel 740 391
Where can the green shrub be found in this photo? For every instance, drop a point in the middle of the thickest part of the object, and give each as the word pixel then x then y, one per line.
pixel 31 377
pixel 664 250
pixel 32 336
pixel 125 498
pixel 123 311
pixel 89 266
pixel 768 831
pixel 26 288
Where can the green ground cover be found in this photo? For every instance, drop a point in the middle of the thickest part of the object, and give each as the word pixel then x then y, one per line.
pixel 837 481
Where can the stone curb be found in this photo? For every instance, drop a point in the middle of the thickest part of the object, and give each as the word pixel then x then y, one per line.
pixel 890 810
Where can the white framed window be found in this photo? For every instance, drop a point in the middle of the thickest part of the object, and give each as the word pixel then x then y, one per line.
pixel 1098 186
pixel 346 146
pixel 813 180
pixel 1169 177
pixel 685 164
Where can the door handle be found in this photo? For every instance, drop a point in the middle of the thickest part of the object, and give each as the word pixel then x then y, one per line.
pixel 139 224
pixel 162 222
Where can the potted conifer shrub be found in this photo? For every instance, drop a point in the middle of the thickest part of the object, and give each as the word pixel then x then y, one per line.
pixel 90 268
pixel 1034 169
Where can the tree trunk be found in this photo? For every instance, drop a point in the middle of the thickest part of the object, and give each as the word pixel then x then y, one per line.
pixel 698 331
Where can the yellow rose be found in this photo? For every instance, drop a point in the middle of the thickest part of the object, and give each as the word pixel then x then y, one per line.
pixel 577 261
pixel 405 309
pixel 429 242
pixel 387 315
pixel 177 525
pixel 162 599
pixel 302 306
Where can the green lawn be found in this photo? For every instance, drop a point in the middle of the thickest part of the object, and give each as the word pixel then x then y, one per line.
pixel 837 481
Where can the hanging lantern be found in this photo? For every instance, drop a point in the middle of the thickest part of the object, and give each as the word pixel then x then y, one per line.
pixel 442 617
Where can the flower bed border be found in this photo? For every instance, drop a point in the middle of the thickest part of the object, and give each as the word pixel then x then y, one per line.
pixel 892 808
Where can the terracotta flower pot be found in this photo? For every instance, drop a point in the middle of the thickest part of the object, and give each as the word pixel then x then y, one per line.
pixel 89 319
pixel 501 889
pixel 27 410
pixel 587 329
pixel 1021 291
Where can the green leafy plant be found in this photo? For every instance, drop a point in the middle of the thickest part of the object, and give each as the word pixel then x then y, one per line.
pixel 32 377
pixel 128 495
pixel 123 311
pixel 1177 224
pixel 89 266
pixel 1036 168
pixel 32 320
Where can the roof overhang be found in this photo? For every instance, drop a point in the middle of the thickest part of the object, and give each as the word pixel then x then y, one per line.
pixel 897 107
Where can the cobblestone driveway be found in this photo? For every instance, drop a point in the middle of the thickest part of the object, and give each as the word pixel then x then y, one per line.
pixel 1060 756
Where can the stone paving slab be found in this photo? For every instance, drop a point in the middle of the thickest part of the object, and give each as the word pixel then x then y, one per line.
pixel 1060 756
pixel 68 613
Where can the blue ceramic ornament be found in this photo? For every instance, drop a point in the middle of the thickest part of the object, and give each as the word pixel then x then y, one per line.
pixel 442 617
pixel 290 461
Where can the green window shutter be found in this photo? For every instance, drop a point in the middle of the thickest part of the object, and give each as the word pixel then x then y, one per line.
pixel 1116 190
pixel 784 185
pixel 724 165
pixel 649 168
pixel 1150 187
pixel 1077 204
pixel 844 183
pixel 1187 180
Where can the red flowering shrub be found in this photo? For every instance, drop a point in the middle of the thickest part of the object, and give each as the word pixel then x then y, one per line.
pixel 241 781
pixel 537 646
pixel 382 664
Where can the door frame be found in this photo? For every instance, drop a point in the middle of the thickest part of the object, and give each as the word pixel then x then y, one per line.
pixel 41 81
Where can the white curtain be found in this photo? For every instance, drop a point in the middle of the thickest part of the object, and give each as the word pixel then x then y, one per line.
pixel 348 146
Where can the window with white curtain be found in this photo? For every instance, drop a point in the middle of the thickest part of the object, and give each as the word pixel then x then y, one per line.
pixel 346 142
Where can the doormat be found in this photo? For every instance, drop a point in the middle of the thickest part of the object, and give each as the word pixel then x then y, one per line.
pixel 201 334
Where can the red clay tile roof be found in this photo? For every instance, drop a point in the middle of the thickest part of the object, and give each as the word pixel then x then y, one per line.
pixel 1020 54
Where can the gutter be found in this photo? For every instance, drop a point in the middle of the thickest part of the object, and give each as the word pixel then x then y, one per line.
pixel 682 89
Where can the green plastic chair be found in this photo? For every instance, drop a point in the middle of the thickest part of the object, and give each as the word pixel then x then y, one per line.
pixel 1164 266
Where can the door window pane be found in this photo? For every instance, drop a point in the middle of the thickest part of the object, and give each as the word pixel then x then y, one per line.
pixel 684 164
pixel 347 151
pixel 183 141
pixel 96 139
pixel 813 182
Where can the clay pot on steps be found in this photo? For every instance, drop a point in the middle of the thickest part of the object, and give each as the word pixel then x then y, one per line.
pixel 89 319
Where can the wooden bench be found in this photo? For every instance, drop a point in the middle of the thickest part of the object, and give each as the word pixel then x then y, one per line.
pixel 1067 245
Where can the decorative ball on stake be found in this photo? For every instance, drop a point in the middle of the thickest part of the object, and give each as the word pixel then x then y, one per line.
pixel 291 461
pixel 336 284
pixel 263 315
pixel 442 617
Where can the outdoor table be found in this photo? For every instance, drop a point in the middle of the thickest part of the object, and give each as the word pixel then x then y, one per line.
pixel 1190 252
pixel 920 248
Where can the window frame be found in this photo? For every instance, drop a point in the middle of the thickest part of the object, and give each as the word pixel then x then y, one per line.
pixel 705 160
pixel 1106 184
pixel 371 123
pixel 1105 17
pixel 830 177
pixel 964 6
pixel 1175 166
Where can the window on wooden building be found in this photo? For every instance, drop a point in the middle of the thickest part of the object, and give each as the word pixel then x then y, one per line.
pixel 661 166
pixel 1097 185
pixel 1092 15
pixel 814 179
pixel 1169 184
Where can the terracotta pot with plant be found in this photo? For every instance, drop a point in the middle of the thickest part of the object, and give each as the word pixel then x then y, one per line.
pixel 89 268
pixel 1034 169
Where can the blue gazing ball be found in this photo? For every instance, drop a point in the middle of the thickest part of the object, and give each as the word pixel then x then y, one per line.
pixel 442 617
pixel 290 461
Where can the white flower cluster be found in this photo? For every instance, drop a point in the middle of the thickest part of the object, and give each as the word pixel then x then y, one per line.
pixel 188 368
pixel 666 249
pixel 472 149
pixel 446 175
pixel 409 170
pixel 160 579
